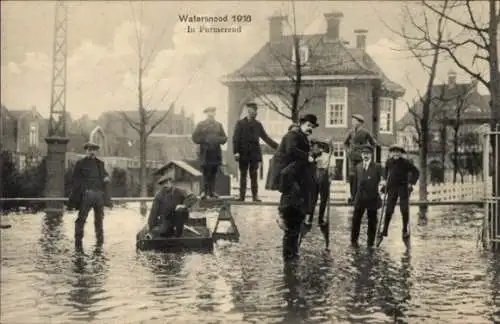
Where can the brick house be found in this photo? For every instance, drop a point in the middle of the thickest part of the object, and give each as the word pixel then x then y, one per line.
pixel 337 81
pixel 23 134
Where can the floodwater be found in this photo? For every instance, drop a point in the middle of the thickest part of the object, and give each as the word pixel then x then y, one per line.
pixel 445 278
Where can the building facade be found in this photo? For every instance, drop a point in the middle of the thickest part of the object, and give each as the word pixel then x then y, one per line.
pixel 336 81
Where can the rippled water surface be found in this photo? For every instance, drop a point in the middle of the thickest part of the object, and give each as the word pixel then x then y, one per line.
pixel 445 278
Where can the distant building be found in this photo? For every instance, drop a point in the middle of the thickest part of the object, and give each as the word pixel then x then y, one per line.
pixel 338 81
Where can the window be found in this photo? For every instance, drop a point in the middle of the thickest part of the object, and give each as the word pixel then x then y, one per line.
pixel 386 115
pixel 339 161
pixel 33 136
pixel 303 52
pixel 336 107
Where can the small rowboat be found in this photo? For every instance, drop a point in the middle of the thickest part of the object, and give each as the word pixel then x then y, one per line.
pixel 196 237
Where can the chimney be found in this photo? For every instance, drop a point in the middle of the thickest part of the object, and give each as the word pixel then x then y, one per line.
pixel 360 38
pixel 333 25
pixel 276 28
pixel 452 78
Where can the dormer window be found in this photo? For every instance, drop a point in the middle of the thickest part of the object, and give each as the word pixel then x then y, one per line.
pixel 303 52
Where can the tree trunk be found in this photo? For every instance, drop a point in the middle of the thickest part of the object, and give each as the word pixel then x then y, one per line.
pixel 422 187
pixel 143 136
pixel 455 156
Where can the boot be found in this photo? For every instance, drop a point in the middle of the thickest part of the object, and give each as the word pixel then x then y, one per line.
pixel 243 188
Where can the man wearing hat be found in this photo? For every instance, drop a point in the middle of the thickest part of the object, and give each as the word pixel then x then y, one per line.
pixel 402 175
pixel 367 177
pixel 88 192
pixel 293 165
pixel 170 209
pixel 356 138
pixel 209 134
pixel 247 133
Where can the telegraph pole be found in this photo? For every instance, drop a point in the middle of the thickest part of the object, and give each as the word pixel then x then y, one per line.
pixel 56 138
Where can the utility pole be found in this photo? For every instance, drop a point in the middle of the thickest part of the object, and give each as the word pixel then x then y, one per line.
pixel 56 138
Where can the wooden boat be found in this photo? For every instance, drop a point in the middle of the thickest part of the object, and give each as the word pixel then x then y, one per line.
pixel 196 237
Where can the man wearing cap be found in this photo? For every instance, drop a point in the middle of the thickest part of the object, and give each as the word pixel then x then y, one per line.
pixel 88 192
pixel 247 133
pixel 402 175
pixel 293 163
pixel 170 209
pixel 210 135
pixel 367 177
pixel 356 138
pixel 321 188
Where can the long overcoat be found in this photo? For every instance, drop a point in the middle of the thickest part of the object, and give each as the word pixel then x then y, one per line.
pixel 246 140
pixel 210 135
pixel 366 184
pixel 80 174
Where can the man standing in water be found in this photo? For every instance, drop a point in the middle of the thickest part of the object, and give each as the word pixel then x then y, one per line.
pixel 89 192
pixel 292 159
pixel 357 138
pixel 247 134
pixel 402 175
pixel 367 177
pixel 210 135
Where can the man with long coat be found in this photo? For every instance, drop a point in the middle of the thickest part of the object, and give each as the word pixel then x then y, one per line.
pixel 356 138
pixel 367 177
pixel 209 134
pixel 292 176
pixel 247 133
pixel 89 191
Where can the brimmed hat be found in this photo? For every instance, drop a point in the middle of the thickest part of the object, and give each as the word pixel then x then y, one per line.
pixel 252 105
pixel 324 145
pixel 397 148
pixel 90 145
pixel 309 118
pixel 209 109
pixel 164 179
pixel 366 148
pixel 358 117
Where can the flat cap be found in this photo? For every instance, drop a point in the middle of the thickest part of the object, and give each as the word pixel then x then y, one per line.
pixel 366 148
pixel 164 179
pixel 209 109
pixel 397 148
pixel 358 117
pixel 90 145
pixel 251 104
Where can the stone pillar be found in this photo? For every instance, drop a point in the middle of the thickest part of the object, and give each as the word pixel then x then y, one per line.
pixel 56 166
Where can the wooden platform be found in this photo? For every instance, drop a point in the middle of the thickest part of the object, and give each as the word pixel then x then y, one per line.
pixel 189 241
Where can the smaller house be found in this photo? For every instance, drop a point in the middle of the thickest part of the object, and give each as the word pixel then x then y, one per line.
pixel 184 175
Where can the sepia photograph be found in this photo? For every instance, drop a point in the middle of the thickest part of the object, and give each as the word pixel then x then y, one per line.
pixel 250 161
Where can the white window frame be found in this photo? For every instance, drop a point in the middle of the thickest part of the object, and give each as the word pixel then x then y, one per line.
pixel 303 52
pixel 389 114
pixel 33 134
pixel 338 147
pixel 330 102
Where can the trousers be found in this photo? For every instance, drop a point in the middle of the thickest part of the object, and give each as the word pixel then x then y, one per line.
pixel 293 218
pixel 352 169
pixel 92 199
pixel 359 209
pixel 393 193
pixel 209 176
pixel 321 190
pixel 249 168
pixel 172 226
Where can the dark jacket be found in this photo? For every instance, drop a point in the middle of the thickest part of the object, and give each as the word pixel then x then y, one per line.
pixel 210 135
pixel 366 184
pixel 246 140
pixel 165 202
pixel 401 172
pixel 355 140
pixel 78 181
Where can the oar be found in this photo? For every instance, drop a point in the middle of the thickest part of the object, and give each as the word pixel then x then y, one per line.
pixel 379 236
pixel 191 229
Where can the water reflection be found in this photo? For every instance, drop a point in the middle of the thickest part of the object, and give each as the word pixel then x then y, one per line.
pixel 88 277
pixel 52 234
pixel 294 295
pixel 494 270
pixel 166 268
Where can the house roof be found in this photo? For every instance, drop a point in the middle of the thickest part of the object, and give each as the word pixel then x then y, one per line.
pixel 183 165
pixel 325 58
pixel 475 105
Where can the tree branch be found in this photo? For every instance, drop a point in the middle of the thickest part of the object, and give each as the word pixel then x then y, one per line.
pixel 135 125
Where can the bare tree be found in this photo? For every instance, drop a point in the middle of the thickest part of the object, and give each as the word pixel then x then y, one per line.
pixel 149 118
pixel 415 32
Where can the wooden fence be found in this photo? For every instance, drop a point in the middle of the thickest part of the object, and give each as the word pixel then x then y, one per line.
pixel 469 190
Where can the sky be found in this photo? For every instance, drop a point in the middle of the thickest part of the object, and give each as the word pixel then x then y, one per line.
pixel 183 67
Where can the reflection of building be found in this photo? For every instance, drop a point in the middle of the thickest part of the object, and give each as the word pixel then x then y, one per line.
pixel 337 81
pixel 23 134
